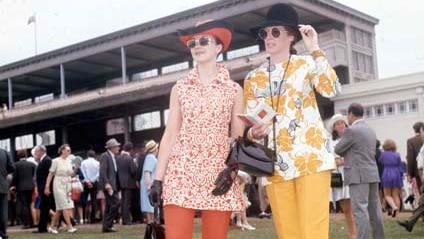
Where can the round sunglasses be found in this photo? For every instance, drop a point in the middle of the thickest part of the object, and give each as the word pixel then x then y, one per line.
pixel 203 41
pixel 275 32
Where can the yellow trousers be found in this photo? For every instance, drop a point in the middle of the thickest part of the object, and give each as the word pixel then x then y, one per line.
pixel 300 207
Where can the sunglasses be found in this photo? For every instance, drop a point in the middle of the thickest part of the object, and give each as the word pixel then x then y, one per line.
pixel 275 32
pixel 203 41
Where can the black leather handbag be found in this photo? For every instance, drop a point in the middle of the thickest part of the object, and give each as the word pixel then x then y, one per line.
pixel 252 158
pixel 336 179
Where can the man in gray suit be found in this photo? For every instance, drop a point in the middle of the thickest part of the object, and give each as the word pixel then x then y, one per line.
pixel 109 183
pixel 357 146
pixel 6 167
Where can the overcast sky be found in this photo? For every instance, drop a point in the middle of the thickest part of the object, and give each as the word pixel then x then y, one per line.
pixel 399 39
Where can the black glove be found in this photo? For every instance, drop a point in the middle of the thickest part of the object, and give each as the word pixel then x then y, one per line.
pixel 224 181
pixel 155 194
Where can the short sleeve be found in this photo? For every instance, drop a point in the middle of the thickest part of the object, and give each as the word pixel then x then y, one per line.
pixel 53 167
pixel 149 163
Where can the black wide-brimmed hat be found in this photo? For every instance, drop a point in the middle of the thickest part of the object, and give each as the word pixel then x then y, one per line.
pixel 280 14
pixel 217 28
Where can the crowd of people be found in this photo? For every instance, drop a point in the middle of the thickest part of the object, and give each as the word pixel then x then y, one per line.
pixel 187 173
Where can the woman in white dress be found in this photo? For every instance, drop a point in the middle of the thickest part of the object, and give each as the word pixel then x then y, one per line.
pixel 60 173
pixel 337 126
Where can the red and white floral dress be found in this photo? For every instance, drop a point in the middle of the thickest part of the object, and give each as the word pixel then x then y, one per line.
pixel 202 146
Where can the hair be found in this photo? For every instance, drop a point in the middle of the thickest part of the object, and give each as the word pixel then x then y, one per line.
pixel 389 144
pixel 128 146
pixel 356 109
pixel 418 126
pixel 62 147
pixel 22 153
pixel 91 153
pixel 377 144
pixel 292 32
pixel 41 147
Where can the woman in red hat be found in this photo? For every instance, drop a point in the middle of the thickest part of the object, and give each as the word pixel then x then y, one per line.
pixel 298 191
pixel 194 147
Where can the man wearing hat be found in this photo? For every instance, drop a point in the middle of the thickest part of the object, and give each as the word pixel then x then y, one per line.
pixel 108 181
pixel 298 191
pixel 194 146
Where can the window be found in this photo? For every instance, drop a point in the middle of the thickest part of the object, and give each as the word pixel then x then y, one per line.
pixel 146 74
pixel 368 112
pixel 5 144
pixel 242 52
pixel 402 107
pixel 175 67
pixel 24 142
pixel 46 138
pixel 23 103
pixel 390 109
pixel 361 37
pixel 378 109
pixel 145 121
pixel 44 98
pixel 115 126
pixel 362 62
pixel 412 106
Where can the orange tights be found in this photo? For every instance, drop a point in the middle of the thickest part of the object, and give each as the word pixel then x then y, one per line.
pixel 179 223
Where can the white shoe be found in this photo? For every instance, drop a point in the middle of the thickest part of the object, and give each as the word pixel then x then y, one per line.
pixel 72 230
pixel 51 230
pixel 249 227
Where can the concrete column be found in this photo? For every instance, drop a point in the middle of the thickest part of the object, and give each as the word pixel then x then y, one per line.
pixel 62 81
pixel 127 135
pixel 420 97
pixel 9 88
pixel 124 66
pixel 64 135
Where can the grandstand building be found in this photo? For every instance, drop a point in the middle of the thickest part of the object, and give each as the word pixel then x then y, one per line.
pixel 118 85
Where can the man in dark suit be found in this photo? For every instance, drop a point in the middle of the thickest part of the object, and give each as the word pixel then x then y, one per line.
pixel 414 145
pixel 6 167
pixel 23 183
pixel 357 146
pixel 109 183
pixel 47 201
pixel 127 179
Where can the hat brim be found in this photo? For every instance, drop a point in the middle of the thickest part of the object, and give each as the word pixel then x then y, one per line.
pixel 153 148
pixel 271 23
pixel 219 29
pixel 333 120
pixel 110 146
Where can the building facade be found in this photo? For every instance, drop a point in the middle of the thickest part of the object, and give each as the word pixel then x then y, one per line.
pixel 118 85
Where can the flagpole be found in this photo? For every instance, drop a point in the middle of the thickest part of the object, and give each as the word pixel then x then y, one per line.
pixel 35 36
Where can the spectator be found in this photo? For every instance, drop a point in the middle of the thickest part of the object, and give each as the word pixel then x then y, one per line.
pixel 6 167
pixel 357 146
pixel 60 173
pixel 90 169
pixel 391 179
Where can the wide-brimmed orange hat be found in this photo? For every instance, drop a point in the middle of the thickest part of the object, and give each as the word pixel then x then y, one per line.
pixel 222 30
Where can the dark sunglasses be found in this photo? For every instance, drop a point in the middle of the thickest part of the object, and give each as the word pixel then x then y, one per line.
pixel 203 41
pixel 275 32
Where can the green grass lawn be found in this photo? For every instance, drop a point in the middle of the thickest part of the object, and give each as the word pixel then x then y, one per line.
pixel 264 229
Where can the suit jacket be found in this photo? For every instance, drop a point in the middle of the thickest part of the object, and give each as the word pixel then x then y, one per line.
pixel 107 172
pixel 126 171
pixel 6 167
pixel 413 146
pixel 23 177
pixel 357 146
pixel 42 174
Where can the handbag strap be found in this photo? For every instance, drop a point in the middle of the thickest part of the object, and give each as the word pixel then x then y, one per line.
pixel 274 119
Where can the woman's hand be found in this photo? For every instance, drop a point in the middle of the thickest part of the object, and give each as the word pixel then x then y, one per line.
pixel 310 37
pixel 339 161
pixel 258 131
pixel 47 190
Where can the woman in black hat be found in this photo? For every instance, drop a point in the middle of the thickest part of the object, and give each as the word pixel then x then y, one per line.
pixel 298 191
pixel 195 143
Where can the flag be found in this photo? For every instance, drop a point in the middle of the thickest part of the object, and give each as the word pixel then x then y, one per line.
pixel 31 19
